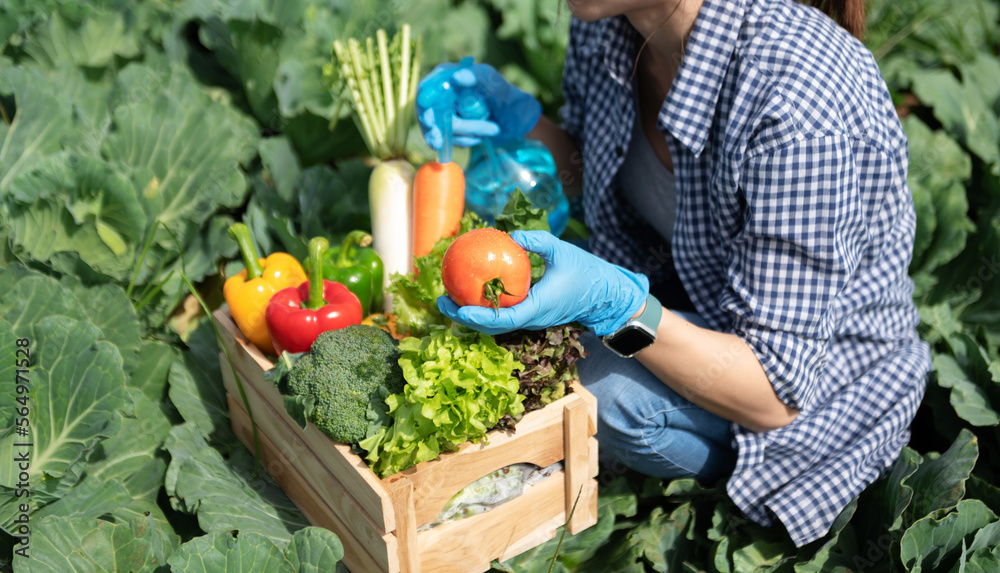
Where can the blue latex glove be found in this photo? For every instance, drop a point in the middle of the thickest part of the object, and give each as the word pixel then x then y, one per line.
pixel 512 112
pixel 576 286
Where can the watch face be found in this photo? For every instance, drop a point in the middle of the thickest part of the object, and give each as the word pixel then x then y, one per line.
pixel 629 340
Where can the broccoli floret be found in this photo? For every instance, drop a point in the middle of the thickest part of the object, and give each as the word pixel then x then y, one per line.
pixel 346 372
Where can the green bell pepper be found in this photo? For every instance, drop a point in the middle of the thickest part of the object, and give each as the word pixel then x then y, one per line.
pixel 358 267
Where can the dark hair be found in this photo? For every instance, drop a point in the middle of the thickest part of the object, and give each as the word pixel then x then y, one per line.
pixel 848 13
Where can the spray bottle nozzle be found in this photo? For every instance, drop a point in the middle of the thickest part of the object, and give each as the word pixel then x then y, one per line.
pixel 471 106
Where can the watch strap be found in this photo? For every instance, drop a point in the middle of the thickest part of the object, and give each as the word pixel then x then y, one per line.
pixel 651 314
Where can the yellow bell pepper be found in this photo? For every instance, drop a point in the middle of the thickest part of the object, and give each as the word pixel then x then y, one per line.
pixel 248 292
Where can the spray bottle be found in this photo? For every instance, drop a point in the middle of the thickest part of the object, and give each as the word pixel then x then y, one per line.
pixel 496 169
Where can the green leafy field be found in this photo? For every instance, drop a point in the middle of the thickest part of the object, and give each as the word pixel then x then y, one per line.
pixel 132 134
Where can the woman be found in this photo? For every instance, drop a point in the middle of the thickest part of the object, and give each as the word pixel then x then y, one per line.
pixel 740 159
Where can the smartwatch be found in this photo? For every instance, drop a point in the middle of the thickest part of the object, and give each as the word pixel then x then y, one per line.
pixel 637 333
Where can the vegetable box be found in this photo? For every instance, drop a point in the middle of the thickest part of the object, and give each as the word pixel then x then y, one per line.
pixel 377 520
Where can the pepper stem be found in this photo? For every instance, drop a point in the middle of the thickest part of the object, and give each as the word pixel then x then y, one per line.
pixel 241 234
pixel 359 238
pixel 317 246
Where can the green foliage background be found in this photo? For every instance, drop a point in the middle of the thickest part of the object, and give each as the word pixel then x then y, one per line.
pixel 134 132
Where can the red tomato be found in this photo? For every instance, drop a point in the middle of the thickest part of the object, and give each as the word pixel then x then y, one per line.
pixel 485 267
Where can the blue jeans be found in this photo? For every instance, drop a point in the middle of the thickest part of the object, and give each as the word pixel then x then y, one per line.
pixel 648 426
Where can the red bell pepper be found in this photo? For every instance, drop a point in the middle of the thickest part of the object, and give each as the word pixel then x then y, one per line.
pixel 297 315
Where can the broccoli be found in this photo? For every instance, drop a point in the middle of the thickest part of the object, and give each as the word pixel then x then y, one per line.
pixel 347 372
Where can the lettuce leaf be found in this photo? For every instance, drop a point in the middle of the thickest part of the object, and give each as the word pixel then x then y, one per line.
pixel 549 357
pixel 459 384
pixel 415 294
pixel 520 215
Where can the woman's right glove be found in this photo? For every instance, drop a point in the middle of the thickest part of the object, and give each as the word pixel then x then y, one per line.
pixel 577 286
pixel 512 112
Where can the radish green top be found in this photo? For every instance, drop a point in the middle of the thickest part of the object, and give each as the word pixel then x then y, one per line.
pixel 382 78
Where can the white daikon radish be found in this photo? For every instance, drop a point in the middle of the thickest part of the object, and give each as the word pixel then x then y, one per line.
pixel 383 97
pixel 390 193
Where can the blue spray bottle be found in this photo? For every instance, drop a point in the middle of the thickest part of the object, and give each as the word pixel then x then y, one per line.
pixel 496 169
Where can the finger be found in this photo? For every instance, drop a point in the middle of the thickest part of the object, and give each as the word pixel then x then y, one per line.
pixel 522 315
pixel 433 138
pixel 426 117
pixel 471 317
pixel 439 71
pixel 477 128
pixel 462 141
pixel 542 243
pixel 464 77
pixel 489 320
pixel 447 306
pixel 429 118
pixel 474 127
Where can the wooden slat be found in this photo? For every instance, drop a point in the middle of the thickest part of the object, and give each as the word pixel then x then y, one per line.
pixel 581 391
pixel 537 439
pixel 299 489
pixel 540 536
pixel 595 464
pixel 469 545
pixel 248 358
pixel 401 492
pixel 538 442
pixel 329 486
pixel 576 463
pixel 352 471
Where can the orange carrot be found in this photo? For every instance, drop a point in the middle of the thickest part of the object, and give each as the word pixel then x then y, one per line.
pixel 438 204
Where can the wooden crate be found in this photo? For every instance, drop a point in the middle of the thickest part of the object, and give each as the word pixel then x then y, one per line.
pixel 377 519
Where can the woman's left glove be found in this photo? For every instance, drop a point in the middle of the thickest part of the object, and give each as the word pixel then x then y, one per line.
pixel 512 112
pixel 577 286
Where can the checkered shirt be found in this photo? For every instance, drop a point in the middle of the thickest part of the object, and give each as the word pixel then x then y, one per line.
pixel 794 232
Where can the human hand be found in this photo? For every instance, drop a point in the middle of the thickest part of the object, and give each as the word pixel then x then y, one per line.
pixel 512 112
pixel 577 286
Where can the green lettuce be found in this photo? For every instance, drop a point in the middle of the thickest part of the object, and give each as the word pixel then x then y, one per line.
pixel 414 295
pixel 459 384
pixel 549 357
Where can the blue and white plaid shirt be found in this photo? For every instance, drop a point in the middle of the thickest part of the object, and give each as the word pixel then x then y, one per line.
pixel 794 232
